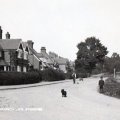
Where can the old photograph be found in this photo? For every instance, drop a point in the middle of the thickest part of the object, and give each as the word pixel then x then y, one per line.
pixel 59 60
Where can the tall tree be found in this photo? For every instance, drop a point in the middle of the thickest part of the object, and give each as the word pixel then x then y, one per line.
pixel 89 54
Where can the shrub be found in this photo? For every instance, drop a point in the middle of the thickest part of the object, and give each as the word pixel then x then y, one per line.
pixel 68 75
pixel 82 75
pixel 50 74
pixel 34 76
pixel 112 88
pixel 16 78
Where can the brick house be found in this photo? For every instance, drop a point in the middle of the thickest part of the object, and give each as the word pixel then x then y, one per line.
pixel 35 62
pixel 13 56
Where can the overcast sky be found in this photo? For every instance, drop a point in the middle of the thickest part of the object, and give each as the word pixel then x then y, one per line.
pixel 60 25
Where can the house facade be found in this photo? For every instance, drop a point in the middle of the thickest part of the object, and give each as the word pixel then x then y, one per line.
pixel 35 62
pixel 44 56
pixel 13 56
pixel 16 55
pixel 60 62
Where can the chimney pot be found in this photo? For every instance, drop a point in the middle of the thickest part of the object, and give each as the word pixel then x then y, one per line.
pixel 7 35
pixel 43 49
pixel 30 43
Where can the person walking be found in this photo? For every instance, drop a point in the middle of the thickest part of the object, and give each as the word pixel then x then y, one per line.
pixel 74 77
pixel 101 84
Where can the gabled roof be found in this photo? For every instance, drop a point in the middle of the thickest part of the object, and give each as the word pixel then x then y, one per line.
pixel 9 43
pixel 46 56
pixel 35 53
pixel 25 46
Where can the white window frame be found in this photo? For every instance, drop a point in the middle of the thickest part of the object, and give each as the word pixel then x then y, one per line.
pixel 25 55
pixel 18 68
pixel 20 52
pixel 24 69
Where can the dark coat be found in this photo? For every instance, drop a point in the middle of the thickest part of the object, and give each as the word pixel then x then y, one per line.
pixel 101 82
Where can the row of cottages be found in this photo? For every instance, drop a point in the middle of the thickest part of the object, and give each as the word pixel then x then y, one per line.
pixel 16 55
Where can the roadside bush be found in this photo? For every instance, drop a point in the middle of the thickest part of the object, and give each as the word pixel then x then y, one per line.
pixel 34 76
pixel 82 75
pixel 112 88
pixel 52 75
pixel 16 78
pixel 68 75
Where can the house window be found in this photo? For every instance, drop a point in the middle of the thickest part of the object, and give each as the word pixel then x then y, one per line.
pixel 20 53
pixel 18 68
pixel 25 55
pixel 24 69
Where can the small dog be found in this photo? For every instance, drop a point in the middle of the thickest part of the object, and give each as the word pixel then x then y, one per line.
pixel 64 93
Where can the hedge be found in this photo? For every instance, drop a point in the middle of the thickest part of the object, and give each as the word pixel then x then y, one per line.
pixel 112 88
pixel 50 74
pixel 16 78
pixel 35 76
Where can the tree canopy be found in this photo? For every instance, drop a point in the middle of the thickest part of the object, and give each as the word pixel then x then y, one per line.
pixel 112 62
pixel 89 54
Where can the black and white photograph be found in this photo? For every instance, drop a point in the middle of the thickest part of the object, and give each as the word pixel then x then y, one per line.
pixel 59 59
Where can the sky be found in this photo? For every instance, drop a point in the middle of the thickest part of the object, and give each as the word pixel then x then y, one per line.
pixel 59 25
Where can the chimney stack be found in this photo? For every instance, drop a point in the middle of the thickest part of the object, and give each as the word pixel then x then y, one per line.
pixel 30 43
pixel 7 35
pixel 43 50
pixel 0 33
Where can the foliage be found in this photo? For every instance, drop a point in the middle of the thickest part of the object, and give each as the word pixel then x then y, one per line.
pixel 69 70
pixel 34 76
pixel 112 62
pixel 112 88
pixel 89 54
pixel 82 75
pixel 16 78
pixel 50 74
pixel 69 67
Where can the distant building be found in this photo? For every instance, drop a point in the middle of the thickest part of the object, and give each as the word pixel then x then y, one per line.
pixel 44 56
pixel 59 61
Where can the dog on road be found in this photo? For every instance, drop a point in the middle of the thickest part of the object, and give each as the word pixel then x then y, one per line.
pixel 64 93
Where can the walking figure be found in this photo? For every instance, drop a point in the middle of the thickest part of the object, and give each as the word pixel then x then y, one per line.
pixel 74 77
pixel 101 84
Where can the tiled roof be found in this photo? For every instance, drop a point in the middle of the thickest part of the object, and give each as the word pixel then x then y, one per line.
pixel 35 53
pixel 46 56
pixel 60 61
pixel 9 43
